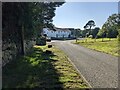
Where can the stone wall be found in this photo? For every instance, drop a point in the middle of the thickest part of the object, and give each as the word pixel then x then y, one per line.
pixel 28 45
pixel 11 50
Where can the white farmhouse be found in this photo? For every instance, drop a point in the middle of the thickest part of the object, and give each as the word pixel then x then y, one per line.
pixel 57 32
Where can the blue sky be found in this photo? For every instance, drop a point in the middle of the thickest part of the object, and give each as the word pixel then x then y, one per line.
pixel 77 14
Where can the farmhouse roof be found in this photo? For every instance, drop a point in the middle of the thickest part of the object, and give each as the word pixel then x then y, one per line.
pixel 63 29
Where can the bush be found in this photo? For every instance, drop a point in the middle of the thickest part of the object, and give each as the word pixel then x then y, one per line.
pixel 48 40
pixel 49 46
pixel 48 52
pixel 41 41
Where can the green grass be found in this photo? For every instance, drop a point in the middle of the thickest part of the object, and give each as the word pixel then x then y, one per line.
pixel 41 70
pixel 107 46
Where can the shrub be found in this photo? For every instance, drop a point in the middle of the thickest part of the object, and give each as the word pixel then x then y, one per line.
pixel 49 46
pixel 48 40
pixel 41 41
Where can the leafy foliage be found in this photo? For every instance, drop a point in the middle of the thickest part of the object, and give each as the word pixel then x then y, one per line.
pixel 94 32
pixel 110 27
pixel 90 24
pixel 88 27
pixel 25 20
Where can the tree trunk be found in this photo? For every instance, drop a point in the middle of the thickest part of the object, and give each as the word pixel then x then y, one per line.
pixel 95 38
pixel 76 35
pixel 22 41
pixel 86 40
pixel 102 39
pixel 76 38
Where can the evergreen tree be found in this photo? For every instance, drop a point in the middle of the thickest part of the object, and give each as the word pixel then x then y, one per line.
pixel 25 20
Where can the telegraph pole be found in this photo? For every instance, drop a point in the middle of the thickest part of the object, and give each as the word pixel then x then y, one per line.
pixel 76 35
pixel 76 30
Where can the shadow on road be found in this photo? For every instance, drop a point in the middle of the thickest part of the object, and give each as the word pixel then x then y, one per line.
pixel 32 71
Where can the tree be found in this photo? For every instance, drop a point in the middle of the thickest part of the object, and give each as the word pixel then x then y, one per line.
pixel 77 33
pixel 26 20
pixel 83 33
pixel 110 27
pixel 95 31
pixel 101 34
pixel 119 26
pixel 45 12
pixel 89 25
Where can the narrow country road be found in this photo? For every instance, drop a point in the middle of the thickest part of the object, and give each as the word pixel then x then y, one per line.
pixel 99 69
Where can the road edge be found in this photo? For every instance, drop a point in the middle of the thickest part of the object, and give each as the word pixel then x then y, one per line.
pixel 79 73
pixel 76 69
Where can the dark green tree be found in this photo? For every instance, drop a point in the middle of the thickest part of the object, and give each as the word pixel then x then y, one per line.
pixel 94 32
pixel 89 26
pixel 26 20
pixel 110 27
pixel 83 32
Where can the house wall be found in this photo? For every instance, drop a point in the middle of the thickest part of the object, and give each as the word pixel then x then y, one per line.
pixel 56 34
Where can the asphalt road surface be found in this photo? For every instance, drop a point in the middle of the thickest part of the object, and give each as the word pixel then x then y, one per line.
pixel 99 69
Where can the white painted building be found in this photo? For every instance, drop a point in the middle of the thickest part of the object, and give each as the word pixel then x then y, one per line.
pixel 57 33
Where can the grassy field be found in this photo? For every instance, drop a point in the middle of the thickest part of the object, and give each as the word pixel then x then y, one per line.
pixel 107 46
pixel 41 70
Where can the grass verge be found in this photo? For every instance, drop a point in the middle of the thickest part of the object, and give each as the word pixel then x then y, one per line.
pixel 107 46
pixel 41 70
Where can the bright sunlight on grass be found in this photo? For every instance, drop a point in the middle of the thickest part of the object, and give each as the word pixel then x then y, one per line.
pixel 107 46
pixel 41 70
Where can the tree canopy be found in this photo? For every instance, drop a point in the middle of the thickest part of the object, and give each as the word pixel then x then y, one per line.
pixel 88 28
pixel 25 20
pixel 110 27
pixel 89 24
